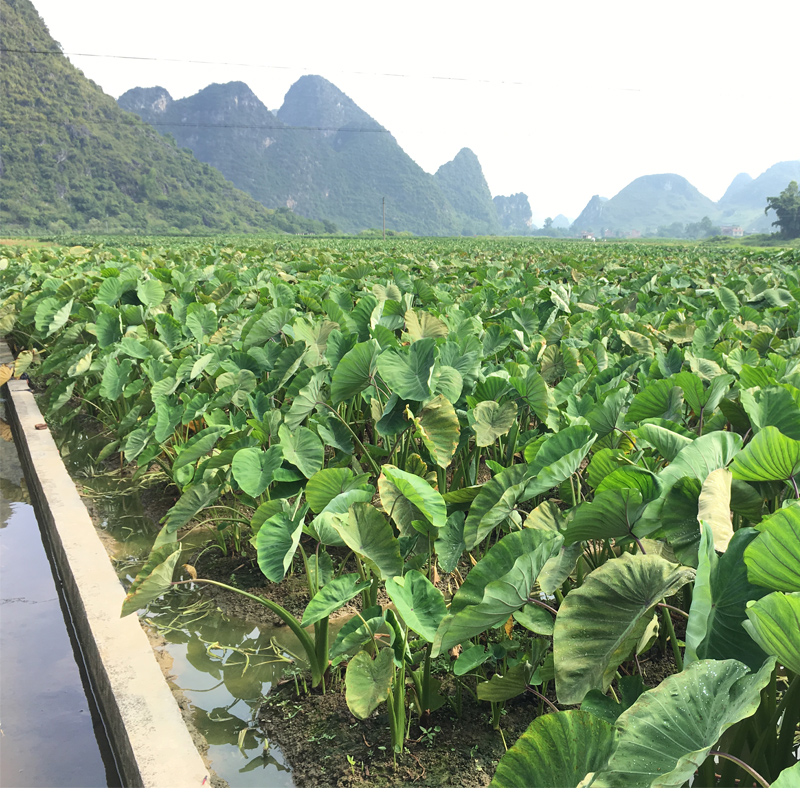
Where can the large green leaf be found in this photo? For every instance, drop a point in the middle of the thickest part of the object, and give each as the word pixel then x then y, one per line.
pixel 774 622
pixel 612 514
pixel 769 456
pixel 607 417
pixel 772 406
pixel 302 448
pixel 355 371
pixel 719 598
pixel 419 492
pixel 52 313
pixel 703 400
pixel 788 779
pixel 600 622
pixel 191 502
pixel 494 504
pixel 773 559
pixel 492 421
pixel 276 543
pixel 253 468
pixel 154 578
pixel 533 390
pixel 366 531
pixel 668 443
pixel 629 689
pixel 696 461
pixel 367 682
pixel 199 444
pixel 559 456
pixel 115 378
pixel 667 733
pixel 702 456
pixel 629 476
pixel 556 752
pixel 502 687
pixel 499 585
pixel 659 399
pixel 437 426
pixel 678 520
pixel 336 489
pixel 308 399
pixel 150 292
pixel 450 543
pixel 332 596
pixel 358 631
pixel 418 602
pixel 408 371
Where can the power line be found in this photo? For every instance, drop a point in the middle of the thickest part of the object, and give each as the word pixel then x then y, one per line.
pixel 141 121
pixel 455 78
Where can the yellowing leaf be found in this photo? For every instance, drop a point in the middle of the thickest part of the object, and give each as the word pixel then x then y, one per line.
pixel 6 371
pixel 714 507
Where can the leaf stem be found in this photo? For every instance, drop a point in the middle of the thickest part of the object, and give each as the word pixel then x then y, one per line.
pixel 673 608
pixel 676 651
pixel 543 605
pixel 746 767
pixel 542 697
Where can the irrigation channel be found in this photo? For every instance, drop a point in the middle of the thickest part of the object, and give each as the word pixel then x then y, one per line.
pixel 220 667
pixel 51 733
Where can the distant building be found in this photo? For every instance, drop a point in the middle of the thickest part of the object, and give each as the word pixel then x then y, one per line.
pixel 633 235
pixel 731 230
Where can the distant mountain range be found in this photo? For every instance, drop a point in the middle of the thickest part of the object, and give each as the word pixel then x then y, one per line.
pixel 658 201
pixel 71 158
pixel 324 157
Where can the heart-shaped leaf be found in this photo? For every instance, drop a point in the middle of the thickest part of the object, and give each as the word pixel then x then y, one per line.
pixel 332 596
pixel 302 448
pixel 253 468
pixel 773 559
pixel 419 492
pixel 556 752
pixel 769 456
pixel 667 733
pixel 418 602
pixel 600 622
pixel 408 371
pixel 492 421
pixel 367 682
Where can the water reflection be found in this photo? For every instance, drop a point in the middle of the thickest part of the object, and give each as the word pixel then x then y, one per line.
pixel 223 666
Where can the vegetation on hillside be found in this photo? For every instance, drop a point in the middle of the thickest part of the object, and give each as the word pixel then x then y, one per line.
pixel 70 158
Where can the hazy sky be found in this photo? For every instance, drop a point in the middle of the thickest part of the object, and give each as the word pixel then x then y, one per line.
pixel 560 100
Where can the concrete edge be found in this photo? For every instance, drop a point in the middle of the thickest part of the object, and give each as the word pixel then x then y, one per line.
pixel 150 741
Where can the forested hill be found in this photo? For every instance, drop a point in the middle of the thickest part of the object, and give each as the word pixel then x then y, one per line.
pixel 463 184
pixel 321 155
pixel 655 202
pixel 70 158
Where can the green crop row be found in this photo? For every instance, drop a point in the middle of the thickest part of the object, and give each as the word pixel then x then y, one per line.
pixel 589 442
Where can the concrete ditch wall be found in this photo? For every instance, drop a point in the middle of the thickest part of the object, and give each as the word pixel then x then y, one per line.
pixel 150 741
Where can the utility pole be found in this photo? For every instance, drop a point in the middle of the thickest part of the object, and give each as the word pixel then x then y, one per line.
pixel 384 219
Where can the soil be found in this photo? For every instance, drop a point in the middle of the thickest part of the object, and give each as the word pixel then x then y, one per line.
pixel 327 747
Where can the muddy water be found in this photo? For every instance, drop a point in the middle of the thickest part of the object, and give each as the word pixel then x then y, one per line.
pixel 49 727
pixel 223 667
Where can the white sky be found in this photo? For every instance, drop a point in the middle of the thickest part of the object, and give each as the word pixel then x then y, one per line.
pixel 560 100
